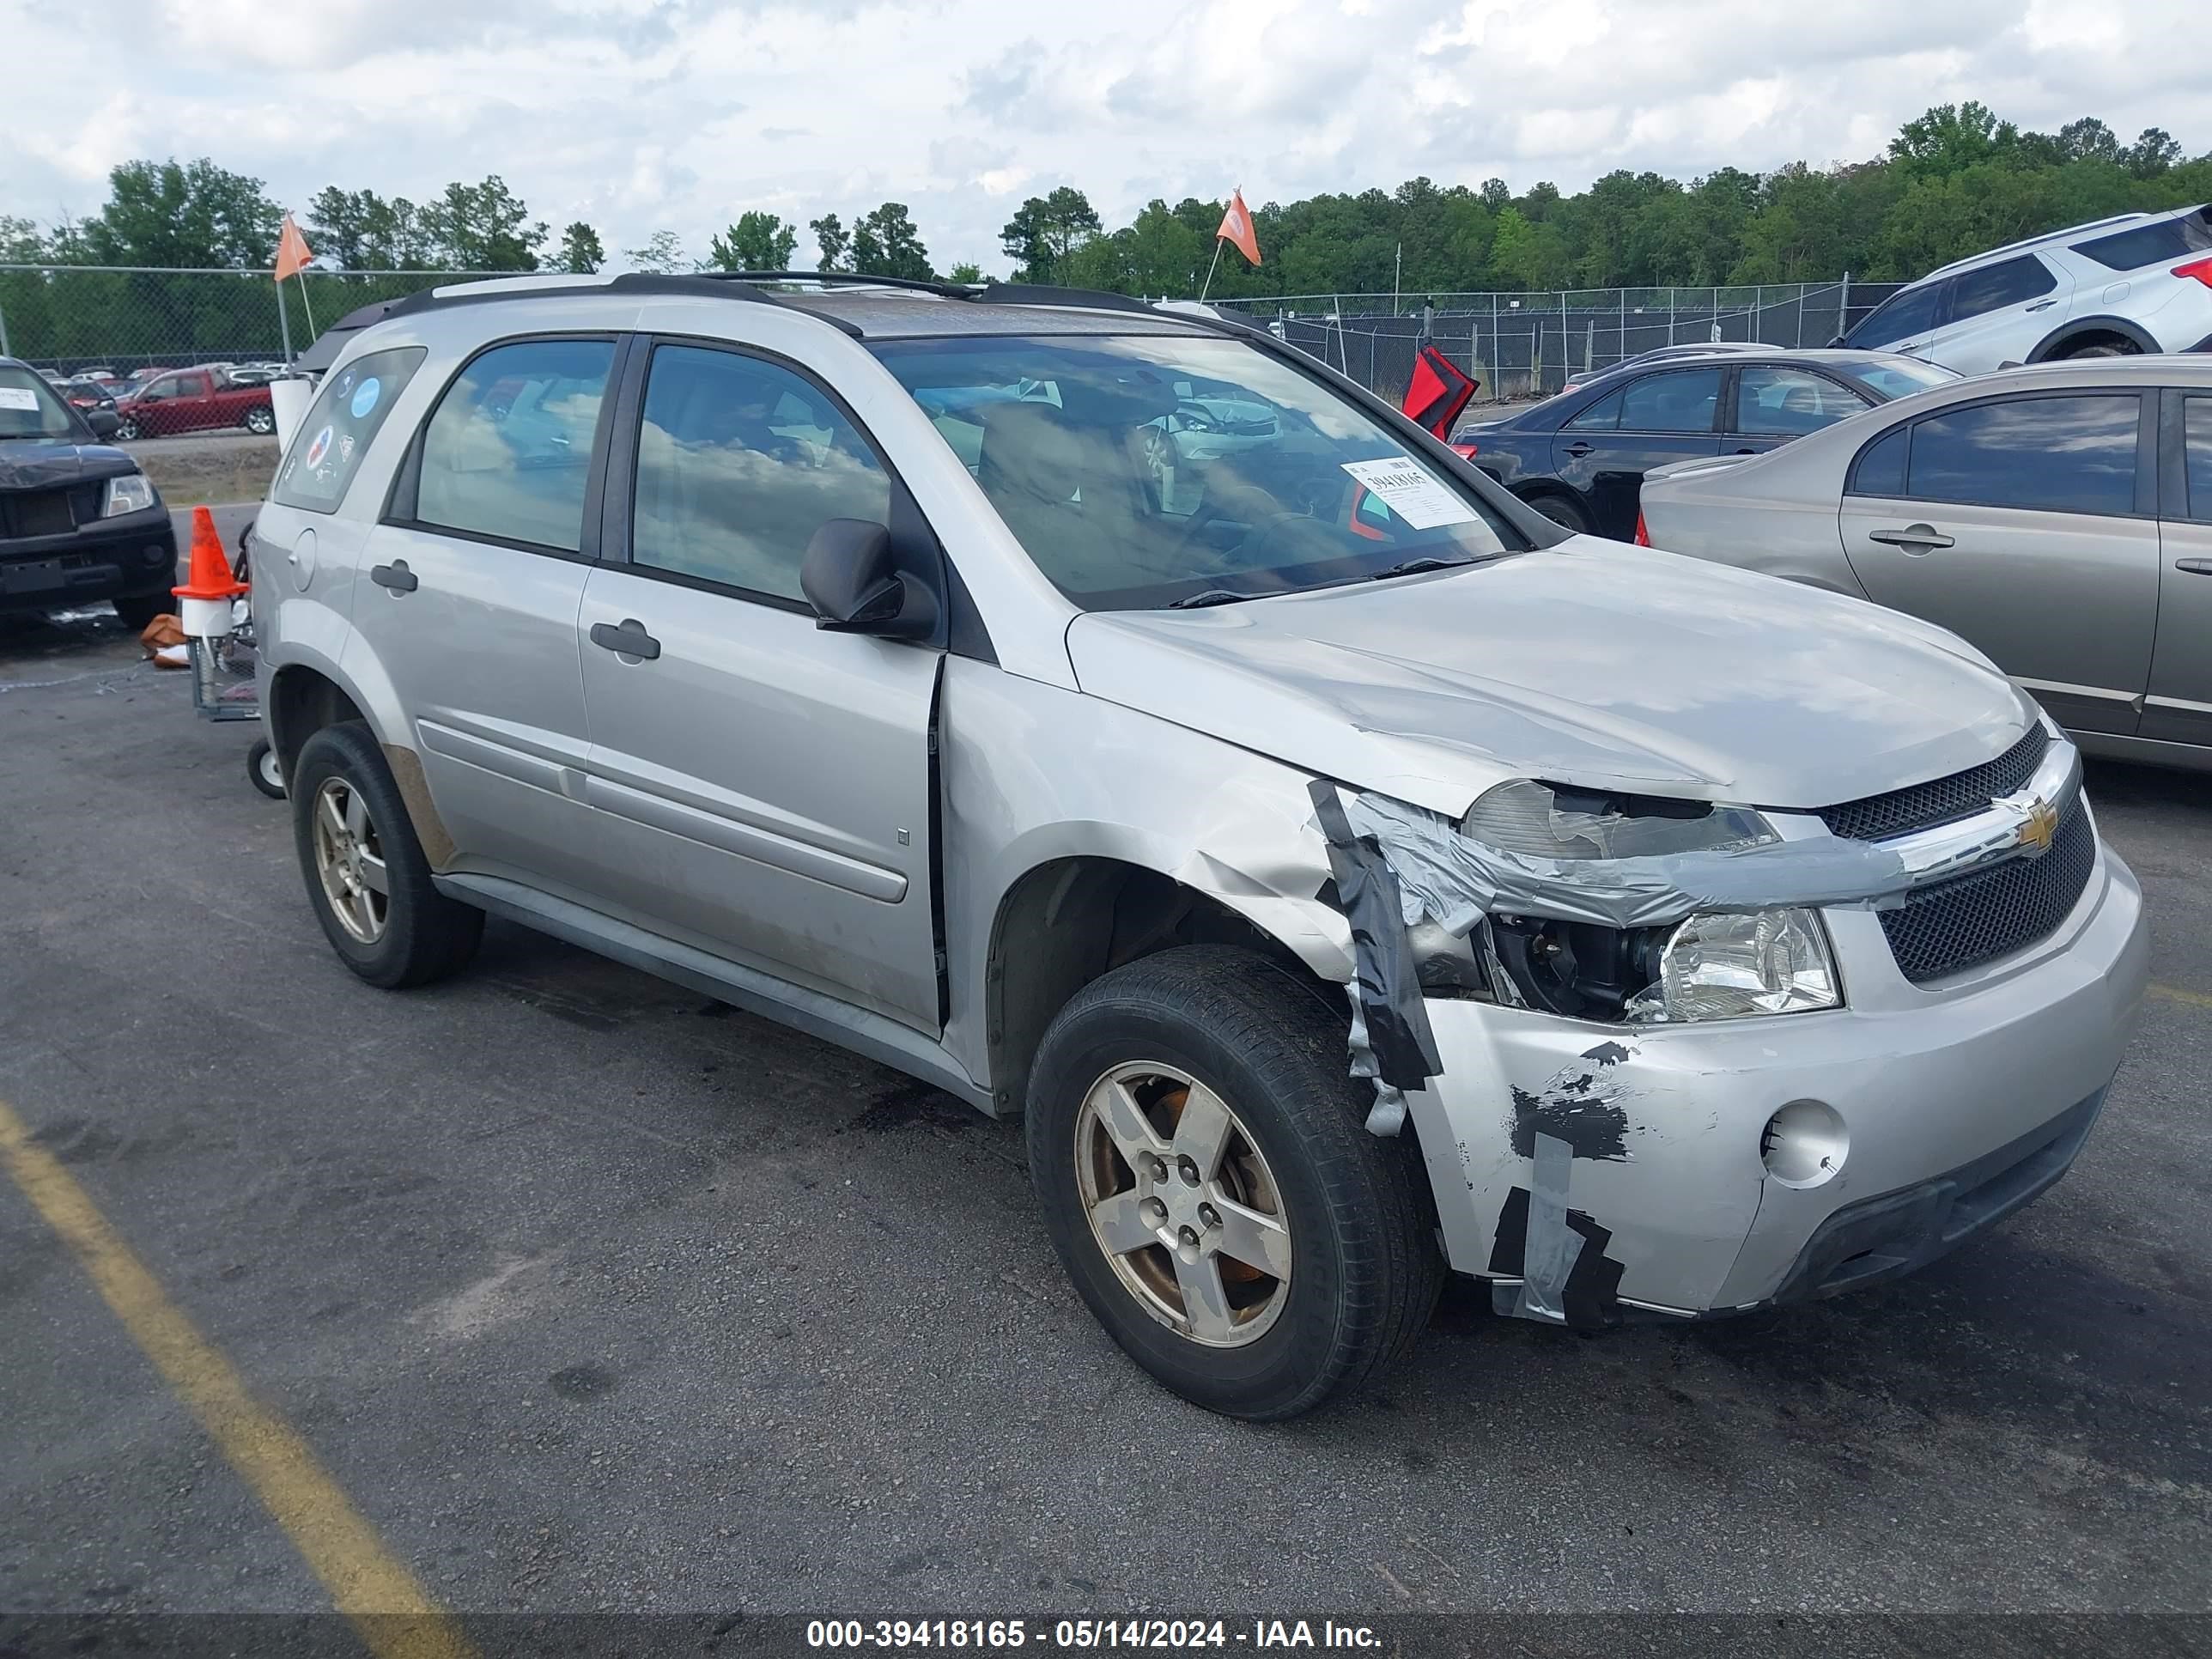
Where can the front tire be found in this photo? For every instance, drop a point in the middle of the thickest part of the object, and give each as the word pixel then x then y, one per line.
pixel 136 611
pixel 260 422
pixel 2103 349
pixel 127 430
pixel 1200 1153
pixel 367 876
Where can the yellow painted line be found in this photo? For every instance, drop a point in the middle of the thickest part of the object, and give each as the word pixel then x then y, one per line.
pixel 390 1609
pixel 2175 993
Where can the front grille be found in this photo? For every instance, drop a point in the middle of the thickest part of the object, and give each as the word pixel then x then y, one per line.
pixel 1973 918
pixel 1944 802
pixel 36 513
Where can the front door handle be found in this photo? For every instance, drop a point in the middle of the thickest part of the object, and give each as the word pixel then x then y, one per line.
pixel 630 639
pixel 396 577
pixel 1912 538
pixel 1579 450
pixel 2195 566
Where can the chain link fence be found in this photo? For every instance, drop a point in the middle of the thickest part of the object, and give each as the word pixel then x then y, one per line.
pixel 72 318
pixel 1521 346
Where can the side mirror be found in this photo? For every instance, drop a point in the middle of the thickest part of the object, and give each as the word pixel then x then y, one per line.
pixel 1834 343
pixel 850 579
pixel 106 422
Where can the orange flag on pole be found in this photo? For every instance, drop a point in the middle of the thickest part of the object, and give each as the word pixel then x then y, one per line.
pixel 1236 228
pixel 292 255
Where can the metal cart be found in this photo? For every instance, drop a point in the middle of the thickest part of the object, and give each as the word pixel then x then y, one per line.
pixel 225 683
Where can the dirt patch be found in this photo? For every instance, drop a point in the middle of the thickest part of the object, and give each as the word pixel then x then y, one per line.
pixel 189 470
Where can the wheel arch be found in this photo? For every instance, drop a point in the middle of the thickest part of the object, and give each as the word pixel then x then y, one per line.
pixel 2080 330
pixel 1073 918
pixel 309 692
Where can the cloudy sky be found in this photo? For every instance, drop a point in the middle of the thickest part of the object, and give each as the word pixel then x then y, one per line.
pixel 640 115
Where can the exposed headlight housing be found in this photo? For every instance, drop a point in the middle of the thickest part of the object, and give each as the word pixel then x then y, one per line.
pixel 1716 966
pixel 1728 966
pixel 133 492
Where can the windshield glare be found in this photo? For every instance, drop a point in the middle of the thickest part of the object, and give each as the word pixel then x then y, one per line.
pixel 1137 471
pixel 1904 376
pixel 29 407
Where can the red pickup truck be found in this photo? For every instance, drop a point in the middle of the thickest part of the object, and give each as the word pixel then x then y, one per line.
pixel 193 400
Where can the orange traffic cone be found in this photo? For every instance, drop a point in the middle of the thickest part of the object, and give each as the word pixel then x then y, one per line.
pixel 211 587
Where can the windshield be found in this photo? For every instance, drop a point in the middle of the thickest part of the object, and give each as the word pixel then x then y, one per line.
pixel 1141 471
pixel 1901 376
pixel 29 407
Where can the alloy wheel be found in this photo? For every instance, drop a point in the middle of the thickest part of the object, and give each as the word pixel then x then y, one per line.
pixel 1181 1202
pixel 349 861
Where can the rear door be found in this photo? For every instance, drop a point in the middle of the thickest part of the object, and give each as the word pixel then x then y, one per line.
pixel 2027 524
pixel 2180 706
pixel 763 785
pixel 1995 315
pixel 474 581
pixel 194 408
pixel 1605 450
pixel 1769 404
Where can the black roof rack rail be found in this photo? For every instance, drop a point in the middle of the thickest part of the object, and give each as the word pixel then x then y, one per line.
pixel 700 285
pixel 1087 299
pixel 846 279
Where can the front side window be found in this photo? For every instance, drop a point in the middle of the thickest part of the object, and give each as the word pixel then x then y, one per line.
pixel 2074 454
pixel 29 407
pixel 2196 448
pixel 739 462
pixel 508 449
pixel 1681 402
pixel 1786 403
pixel 161 390
pixel 348 411
pixel 1078 444
pixel 2007 282
pixel 1899 319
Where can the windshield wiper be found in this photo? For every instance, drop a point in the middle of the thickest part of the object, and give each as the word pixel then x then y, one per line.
pixel 1415 567
pixel 1211 596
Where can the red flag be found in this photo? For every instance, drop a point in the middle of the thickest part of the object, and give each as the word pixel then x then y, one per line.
pixel 1236 228
pixel 1438 391
pixel 292 255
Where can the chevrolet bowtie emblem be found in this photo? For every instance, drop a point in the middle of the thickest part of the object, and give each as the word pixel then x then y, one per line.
pixel 2042 825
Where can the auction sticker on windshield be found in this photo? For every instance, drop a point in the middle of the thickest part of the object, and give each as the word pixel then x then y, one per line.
pixel 19 397
pixel 1411 492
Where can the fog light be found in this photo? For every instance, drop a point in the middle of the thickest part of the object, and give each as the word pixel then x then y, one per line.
pixel 1804 1144
pixel 157 554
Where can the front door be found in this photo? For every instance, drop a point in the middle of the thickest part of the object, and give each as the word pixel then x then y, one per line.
pixel 468 601
pixel 1605 450
pixel 2180 706
pixel 763 785
pixel 2024 524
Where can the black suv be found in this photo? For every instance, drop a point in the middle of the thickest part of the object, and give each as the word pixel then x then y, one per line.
pixel 78 520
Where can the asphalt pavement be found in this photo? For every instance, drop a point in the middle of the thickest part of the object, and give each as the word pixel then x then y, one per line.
pixel 592 1294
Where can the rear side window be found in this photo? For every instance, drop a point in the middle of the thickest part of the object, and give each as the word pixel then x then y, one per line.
pixel 1881 468
pixel 2055 454
pixel 1787 402
pixel 1681 402
pixel 2197 447
pixel 1899 318
pixel 2007 282
pixel 739 462
pixel 2147 245
pixel 1603 416
pixel 508 449
pixel 347 411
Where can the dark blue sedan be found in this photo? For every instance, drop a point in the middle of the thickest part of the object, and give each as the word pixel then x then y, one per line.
pixel 1579 459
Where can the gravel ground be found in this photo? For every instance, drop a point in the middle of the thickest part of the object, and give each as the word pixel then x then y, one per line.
pixel 594 1295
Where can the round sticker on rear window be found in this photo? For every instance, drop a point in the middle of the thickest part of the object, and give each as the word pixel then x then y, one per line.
pixel 364 397
pixel 320 447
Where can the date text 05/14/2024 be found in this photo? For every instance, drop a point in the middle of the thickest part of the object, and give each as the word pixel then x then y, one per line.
pixel 987 1634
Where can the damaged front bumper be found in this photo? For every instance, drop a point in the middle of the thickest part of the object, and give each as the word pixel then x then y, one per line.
pixel 1593 1171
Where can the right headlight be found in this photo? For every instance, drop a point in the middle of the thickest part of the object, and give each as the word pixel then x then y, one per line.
pixel 1730 965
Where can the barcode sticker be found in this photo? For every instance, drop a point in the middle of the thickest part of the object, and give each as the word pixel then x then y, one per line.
pixel 1411 492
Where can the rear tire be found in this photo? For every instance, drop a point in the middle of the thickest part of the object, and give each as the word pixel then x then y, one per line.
pixel 1564 512
pixel 260 422
pixel 1193 1029
pixel 367 876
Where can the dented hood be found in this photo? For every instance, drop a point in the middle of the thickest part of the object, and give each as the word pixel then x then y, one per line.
pixel 1591 663
pixel 42 463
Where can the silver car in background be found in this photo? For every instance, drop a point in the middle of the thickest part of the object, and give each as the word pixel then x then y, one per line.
pixel 1349 876
pixel 2058 517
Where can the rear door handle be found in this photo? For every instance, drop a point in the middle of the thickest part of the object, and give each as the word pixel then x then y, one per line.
pixel 630 639
pixel 396 577
pixel 1919 536
pixel 1579 450
pixel 2043 305
pixel 2195 566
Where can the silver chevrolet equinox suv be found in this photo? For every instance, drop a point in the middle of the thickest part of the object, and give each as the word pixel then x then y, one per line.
pixel 1351 876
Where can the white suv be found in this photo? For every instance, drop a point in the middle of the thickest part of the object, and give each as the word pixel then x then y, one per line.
pixel 2141 282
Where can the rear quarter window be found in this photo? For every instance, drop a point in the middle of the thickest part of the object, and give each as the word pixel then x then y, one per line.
pixel 2147 245
pixel 347 414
